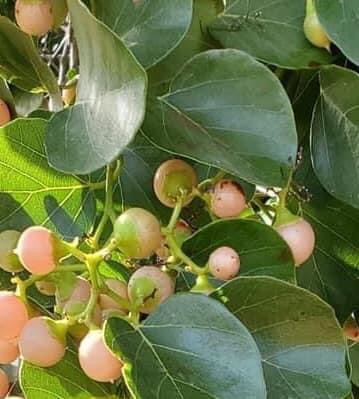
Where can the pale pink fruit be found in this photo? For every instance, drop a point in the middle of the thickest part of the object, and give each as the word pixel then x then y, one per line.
pixel 227 199
pixel 4 384
pixel 300 238
pixel 96 360
pixel 13 315
pixel 224 263
pixel 36 250
pixel 119 288
pixel 78 298
pixel 35 18
pixel 39 345
pixel 9 351
pixel 164 287
pixel 351 329
pixel 5 115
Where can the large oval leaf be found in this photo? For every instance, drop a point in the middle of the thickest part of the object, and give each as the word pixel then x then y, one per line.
pixel 110 100
pixel 341 20
pixel 33 193
pixel 335 134
pixel 227 110
pixel 151 28
pixel 271 31
pixel 301 343
pixel 197 40
pixel 64 381
pixel 191 347
pixel 20 62
pixel 261 249
pixel 331 271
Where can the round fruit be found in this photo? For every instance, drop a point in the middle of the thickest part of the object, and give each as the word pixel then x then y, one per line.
pixel 47 288
pixel 36 250
pixel 8 259
pixel 151 287
pixel 78 297
pixel 96 360
pixel 300 238
pixel 227 199
pixel 138 233
pixel 4 384
pixel 5 115
pixel 313 29
pixel 9 351
pixel 119 288
pixel 351 329
pixel 13 315
pixel 39 343
pixel 173 179
pixel 224 263
pixel 181 232
pixel 34 17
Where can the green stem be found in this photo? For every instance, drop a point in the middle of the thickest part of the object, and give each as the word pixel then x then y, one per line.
pixel 123 303
pixel 73 250
pixel 213 180
pixel 175 215
pixel 71 268
pixel 110 174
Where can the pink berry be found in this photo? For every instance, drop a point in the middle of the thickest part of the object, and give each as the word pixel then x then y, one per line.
pixel 96 360
pixel 78 297
pixel 119 288
pixel 227 199
pixel 5 115
pixel 224 263
pixel 351 329
pixel 300 238
pixel 39 344
pixel 159 283
pixel 9 351
pixel 34 17
pixel 4 384
pixel 13 315
pixel 36 250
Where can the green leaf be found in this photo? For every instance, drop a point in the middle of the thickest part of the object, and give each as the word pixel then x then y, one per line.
pixel 110 100
pixel 335 134
pixel 33 193
pixel 20 62
pixel 26 102
pixel 261 249
pixel 340 19
pixel 5 280
pixel 196 41
pixel 151 29
pixel 331 271
pixel 301 343
pixel 271 31
pixel 227 110
pixel 64 381
pixel 191 347
pixel 141 159
pixel 354 361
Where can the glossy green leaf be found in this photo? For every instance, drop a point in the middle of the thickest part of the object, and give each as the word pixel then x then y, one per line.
pixel 33 193
pixel 340 19
pixel 227 110
pixel 261 249
pixel 301 343
pixel 335 134
pixel 150 28
pixel 191 347
pixel 64 381
pixel 196 41
pixel 271 31
pixel 331 271
pixel 110 100
pixel 20 62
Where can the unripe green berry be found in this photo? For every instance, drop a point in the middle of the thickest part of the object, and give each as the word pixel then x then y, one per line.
pixel 174 179
pixel 138 233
